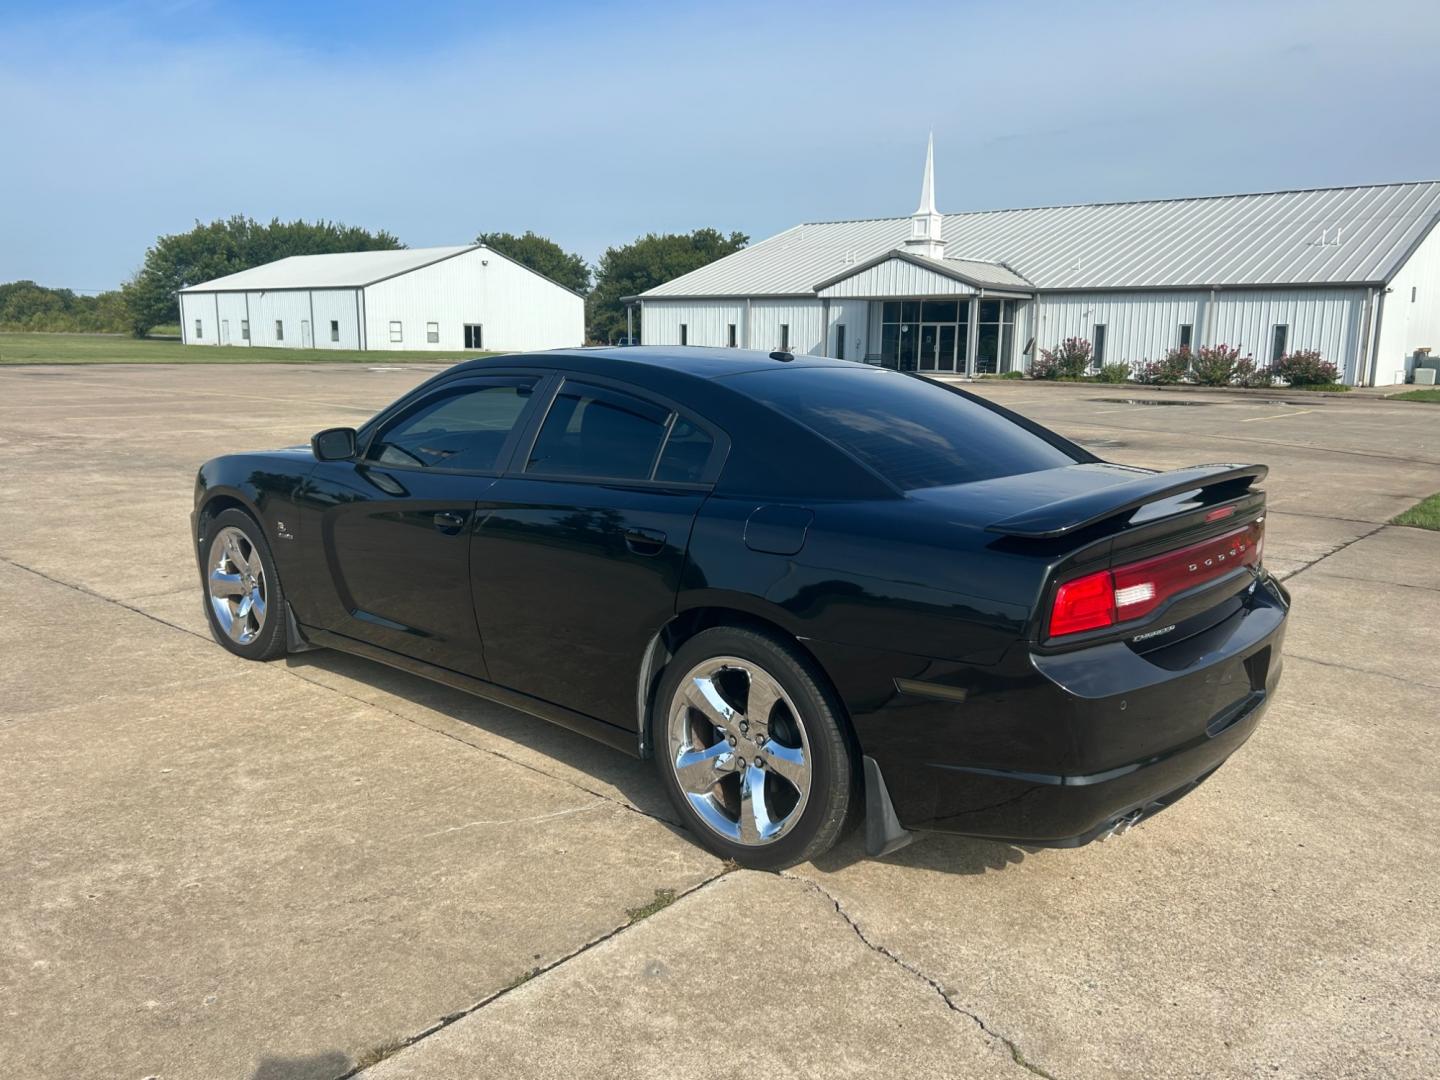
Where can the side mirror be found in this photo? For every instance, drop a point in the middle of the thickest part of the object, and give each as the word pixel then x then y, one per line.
pixel 334 444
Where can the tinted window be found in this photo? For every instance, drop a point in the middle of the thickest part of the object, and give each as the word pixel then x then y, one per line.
pixel 686 452
pixel 463 428
pixel 593 431
pixel 912 432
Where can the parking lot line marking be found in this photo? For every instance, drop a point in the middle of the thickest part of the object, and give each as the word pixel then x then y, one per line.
pixel 1277 416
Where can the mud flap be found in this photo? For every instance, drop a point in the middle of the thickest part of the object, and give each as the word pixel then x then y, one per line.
pixel 294 639
pixel 883 831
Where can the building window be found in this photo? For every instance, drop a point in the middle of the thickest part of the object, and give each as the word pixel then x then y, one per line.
pixel 244 329
pixel 839 341
pixel 432 333
pixel 730 335
pixel 1097 345
pixel 474 338
pixel 334 329
pixel 784 337
pixel 199 333
pixel 932 335
pixel 397 332
pixel 279 330
pixel 1187 332
pixel 684 334
pixel 1279 340
pixel 994 336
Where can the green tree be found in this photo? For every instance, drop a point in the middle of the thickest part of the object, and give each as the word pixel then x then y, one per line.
pixel 227 247
pixel 649 261
pixel 25 305
pixel 542 255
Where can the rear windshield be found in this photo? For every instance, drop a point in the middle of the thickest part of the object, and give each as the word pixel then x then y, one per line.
pixel 912 432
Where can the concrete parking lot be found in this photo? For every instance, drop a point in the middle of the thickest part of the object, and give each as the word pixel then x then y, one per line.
pixel 210 868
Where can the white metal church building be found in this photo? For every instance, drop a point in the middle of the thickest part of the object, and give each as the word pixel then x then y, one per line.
pixel 469 297
pixel 1353 272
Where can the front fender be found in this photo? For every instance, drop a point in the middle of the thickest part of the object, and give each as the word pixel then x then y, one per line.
pixel 264 485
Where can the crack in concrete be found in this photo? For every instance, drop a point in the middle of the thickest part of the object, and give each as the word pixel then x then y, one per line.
pixel 1015 1052
pixel 450 1018
pixel 1375 581
pixel 1333 551
pixel 1410 680
pixel 1272 510
pixel 486 749
pixel 286 670
pixel 85 591
pixel 542 969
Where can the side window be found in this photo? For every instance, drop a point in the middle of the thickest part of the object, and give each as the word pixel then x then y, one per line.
pixel 464 428
pixel 685 454
pixel 597 432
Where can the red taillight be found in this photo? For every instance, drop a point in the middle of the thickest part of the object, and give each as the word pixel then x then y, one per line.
pixel 1135 590
pixel 1086 603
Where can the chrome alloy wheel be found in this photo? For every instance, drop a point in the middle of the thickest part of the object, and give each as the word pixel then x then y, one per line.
pixel 236 581
pixel 738 750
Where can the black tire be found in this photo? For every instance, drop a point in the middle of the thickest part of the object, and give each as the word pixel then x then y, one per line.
pixel 268 640
pixel 833 766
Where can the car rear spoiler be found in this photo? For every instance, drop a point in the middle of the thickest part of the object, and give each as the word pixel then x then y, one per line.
pixel 1065 516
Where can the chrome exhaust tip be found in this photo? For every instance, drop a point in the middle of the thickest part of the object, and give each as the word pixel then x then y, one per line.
pixel 1123 824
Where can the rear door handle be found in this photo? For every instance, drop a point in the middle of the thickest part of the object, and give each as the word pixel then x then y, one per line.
pixel 448 521
pixel 645 541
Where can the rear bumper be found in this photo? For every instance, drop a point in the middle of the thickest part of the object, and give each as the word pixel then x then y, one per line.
pixel 1057 750
pixel 1069 811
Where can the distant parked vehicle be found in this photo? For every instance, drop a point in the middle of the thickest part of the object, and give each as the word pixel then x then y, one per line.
pixel 624 340
pixel 804 586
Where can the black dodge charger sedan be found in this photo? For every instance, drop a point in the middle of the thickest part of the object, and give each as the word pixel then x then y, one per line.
pixel 812 590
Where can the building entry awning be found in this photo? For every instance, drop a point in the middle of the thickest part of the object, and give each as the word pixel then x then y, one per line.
pixel 903 274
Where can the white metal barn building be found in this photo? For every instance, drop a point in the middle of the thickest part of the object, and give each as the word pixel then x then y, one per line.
pixel 1353 272
pixel 469 297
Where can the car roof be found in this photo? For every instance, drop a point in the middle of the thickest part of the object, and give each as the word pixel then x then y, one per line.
pixel 632 361
pixel 771 454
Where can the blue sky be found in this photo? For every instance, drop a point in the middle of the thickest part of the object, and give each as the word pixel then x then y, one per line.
pixel 593 123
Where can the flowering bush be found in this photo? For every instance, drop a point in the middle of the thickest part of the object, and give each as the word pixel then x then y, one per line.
pixel 1113 373
pixel 1248 375
pixel 1167 371
pixel 1214 365
pixel 1305 368
pixel 1068 360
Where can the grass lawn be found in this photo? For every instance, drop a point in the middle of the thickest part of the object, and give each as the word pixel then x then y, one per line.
pixel 1417 395
pixel 1423 515
pixel 123 349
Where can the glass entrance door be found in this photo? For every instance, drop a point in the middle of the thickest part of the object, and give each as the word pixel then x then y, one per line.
pixel 925 335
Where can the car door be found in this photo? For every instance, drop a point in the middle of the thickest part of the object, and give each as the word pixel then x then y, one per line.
pixel 394 526
pixel 580 546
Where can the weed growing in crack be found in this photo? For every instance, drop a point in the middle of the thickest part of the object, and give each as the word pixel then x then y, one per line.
pixel 522 978
pixel 377 1054
pixel 663 899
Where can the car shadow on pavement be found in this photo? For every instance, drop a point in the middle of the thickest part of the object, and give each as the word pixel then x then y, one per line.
pixel 943 852
pixel 326 1066
pixel 515 735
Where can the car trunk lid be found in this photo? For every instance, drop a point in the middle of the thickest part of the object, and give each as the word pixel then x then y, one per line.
pixel 1149 557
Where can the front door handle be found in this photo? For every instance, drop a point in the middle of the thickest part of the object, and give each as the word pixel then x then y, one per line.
pixel 645 541
pixel 449 522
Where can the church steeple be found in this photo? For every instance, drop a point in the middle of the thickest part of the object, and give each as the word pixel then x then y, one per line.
pixel 927 227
